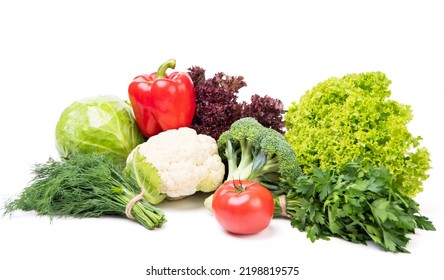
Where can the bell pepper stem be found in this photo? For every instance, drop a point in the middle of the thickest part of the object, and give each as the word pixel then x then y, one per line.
pixel 162 69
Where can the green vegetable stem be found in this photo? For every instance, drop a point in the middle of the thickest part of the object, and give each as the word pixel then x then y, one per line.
pixel 355 204
pixel 85 185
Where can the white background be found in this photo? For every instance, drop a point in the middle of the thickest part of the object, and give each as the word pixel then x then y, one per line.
pixel 55 52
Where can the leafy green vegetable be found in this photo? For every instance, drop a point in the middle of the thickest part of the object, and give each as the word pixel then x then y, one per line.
pixel 103 124
pixel 342 119
pixel 86 185
pixel 355 204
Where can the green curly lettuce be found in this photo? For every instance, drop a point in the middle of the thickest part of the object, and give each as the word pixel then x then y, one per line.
pixel 348 118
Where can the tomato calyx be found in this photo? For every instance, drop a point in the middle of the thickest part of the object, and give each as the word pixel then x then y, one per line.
pixel 238 187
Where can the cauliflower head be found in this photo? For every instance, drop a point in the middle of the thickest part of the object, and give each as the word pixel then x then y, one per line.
pixel 186 162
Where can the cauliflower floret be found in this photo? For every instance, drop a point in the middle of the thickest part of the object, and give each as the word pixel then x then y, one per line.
pixel 186 162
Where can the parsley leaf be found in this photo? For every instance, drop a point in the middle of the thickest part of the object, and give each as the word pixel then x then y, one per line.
pixel 356 204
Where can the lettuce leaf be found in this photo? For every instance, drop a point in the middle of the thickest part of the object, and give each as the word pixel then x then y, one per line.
pixel 352 117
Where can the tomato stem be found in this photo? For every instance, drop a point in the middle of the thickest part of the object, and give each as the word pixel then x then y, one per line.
pixel 238 186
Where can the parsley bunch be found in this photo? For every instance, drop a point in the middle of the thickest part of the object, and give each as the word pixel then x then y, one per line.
pixel 355 204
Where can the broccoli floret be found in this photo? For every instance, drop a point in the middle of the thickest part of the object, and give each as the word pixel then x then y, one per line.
pixel 254 152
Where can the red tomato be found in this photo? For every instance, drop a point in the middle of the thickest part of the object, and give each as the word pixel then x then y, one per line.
pixel 243 207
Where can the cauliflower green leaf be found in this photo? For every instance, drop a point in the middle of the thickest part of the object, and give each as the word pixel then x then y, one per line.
pixel 144 175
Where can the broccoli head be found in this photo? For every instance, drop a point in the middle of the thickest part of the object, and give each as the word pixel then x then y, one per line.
pixel 254 152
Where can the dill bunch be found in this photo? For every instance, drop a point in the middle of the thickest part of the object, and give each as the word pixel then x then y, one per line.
pixel 85 185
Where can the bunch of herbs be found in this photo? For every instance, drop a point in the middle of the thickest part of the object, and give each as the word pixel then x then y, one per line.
pixel 356 204
pixel 85 185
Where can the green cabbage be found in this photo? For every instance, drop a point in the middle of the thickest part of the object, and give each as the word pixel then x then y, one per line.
pixel 350 118
pixel 103 124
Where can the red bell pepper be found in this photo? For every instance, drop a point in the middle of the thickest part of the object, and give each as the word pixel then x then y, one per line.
pixel 161 101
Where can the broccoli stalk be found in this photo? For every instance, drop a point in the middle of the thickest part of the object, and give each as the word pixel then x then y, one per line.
pixel 253 165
